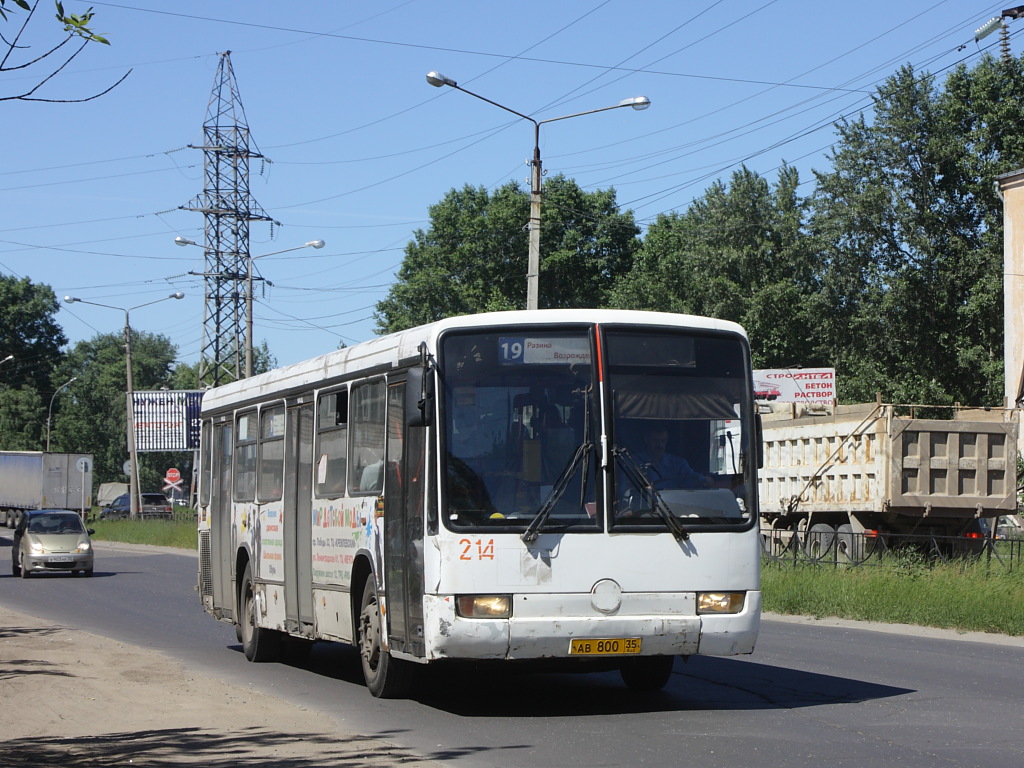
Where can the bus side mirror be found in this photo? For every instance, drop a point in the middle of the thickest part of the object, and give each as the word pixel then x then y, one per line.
pixel 419 397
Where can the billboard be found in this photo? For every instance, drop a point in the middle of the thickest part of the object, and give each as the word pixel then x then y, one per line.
pixel 795 385
pixel 167 420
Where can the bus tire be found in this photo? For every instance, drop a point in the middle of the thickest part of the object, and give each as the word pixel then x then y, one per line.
pixel 258 643
pixel 386 677
pixel 647 673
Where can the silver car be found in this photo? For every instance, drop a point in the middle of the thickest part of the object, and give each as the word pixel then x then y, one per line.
pixel 51 540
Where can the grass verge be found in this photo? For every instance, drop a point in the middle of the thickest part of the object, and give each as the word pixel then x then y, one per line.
pixel 162 533
pixel 971 597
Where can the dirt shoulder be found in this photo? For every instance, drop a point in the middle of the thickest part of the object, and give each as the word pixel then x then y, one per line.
pixel 123 705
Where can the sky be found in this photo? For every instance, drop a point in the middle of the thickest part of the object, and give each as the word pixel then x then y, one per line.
pixel 356 146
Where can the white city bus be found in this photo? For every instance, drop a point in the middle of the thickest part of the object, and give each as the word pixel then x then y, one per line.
pixel 480 488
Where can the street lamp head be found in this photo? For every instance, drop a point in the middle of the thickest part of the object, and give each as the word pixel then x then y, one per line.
pixel 436 79
pixel 71 299
pixel 316 243
pixel 177 295
pixel 637 102
pixel 183 241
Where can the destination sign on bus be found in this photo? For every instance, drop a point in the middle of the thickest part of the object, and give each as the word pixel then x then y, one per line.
pixel 545 350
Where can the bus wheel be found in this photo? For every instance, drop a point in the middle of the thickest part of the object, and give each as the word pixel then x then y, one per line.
pixel 259 644
pixel 647 673
pixel 386 677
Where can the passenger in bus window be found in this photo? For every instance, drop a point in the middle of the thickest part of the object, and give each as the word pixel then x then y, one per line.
pixel 558 442
pixel 469 437
pixel 663 469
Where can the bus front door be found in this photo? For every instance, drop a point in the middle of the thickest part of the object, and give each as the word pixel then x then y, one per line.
pixel 298 490
pixel 403 527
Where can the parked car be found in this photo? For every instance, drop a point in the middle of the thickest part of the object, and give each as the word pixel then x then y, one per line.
pixel 154 506
pixel 51 540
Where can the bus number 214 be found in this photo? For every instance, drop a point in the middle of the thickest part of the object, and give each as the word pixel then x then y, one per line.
pixel 484 549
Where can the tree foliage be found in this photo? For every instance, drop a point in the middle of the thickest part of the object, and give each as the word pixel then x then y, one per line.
pixel 16 55
pixel 30 335
pixel 93 416
pixel 911 237
pixel 473 256
pixel 739 253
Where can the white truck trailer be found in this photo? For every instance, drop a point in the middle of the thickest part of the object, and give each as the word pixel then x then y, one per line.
pixel 38 480
pixel 843 478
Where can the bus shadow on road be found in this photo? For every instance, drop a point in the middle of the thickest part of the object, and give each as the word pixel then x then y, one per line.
pixel 704 683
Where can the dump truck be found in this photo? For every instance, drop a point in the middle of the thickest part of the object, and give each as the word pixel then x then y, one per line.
pixel 39 480
pixel 844 478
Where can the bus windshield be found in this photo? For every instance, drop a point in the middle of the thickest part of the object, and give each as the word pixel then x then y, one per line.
pixel 678 445
pixel 523 435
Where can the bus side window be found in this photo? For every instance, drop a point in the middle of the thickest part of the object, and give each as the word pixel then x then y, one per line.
pixel 245 457
pixel 206 463
pixel 271 453
pixel 332 444
pixel 366 456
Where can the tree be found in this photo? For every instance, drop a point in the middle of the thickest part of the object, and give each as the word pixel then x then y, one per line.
pixel 909 224
pixel 30 334
pixel 738 253
pixel 93 417
pixel 473 256
pixel 77 29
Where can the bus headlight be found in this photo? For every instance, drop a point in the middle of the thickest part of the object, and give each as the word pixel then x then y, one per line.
pixel 484 606
pixel 720 602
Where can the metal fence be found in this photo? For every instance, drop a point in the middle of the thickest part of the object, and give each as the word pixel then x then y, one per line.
pixel 849 549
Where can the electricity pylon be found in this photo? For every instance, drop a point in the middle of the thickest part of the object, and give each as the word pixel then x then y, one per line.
pixel 227 208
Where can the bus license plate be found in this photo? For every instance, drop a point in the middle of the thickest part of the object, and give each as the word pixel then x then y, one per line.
pixel 608 646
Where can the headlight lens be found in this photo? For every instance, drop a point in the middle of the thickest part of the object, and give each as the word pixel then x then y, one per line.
pixel 35 547
pixel 84 546
pixel 484 606
pixel 720 602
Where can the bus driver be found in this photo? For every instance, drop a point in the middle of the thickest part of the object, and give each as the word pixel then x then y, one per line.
pixel 666 470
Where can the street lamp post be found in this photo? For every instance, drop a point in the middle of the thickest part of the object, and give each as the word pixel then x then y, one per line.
pixel 183 241
pixel 437 80
pixel 49 413
pixel 133 454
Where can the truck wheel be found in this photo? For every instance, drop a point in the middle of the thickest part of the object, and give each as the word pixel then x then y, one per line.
pixel 849 546
pixel 259 644
pixel 647 673
pixel 386 677
pixel 819 540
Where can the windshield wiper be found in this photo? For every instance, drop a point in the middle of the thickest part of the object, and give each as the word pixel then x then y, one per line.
pixel 561 484
pixel 635 475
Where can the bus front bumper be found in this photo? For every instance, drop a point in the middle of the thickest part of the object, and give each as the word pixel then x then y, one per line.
pixel 545 626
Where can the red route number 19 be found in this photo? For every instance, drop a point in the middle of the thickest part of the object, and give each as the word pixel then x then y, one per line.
pixel 484 549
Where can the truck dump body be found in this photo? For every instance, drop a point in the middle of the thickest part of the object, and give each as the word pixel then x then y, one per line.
pixel 871 467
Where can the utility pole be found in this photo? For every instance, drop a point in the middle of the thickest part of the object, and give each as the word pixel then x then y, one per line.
pixel 228 208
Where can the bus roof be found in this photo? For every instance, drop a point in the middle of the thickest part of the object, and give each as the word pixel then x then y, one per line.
pixel 386 351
